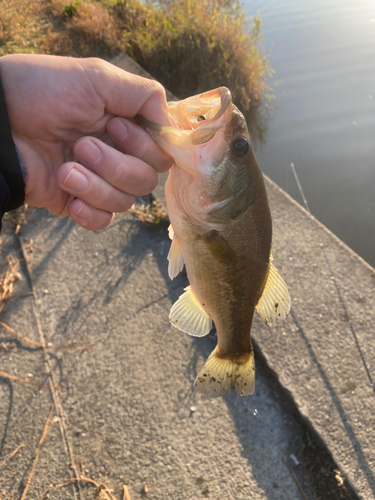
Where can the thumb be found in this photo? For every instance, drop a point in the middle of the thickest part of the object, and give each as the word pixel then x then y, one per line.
pixel 125 94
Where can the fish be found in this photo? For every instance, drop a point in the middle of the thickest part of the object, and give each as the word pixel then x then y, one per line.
pixel 221 231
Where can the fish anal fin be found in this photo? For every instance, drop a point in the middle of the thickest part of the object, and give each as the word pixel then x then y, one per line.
pixel 175 257
pixel 274 304
pixel 188 315
pixel 219 376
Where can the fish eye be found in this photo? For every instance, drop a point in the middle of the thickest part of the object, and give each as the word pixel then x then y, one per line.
pixel 240 147
pixel 201 118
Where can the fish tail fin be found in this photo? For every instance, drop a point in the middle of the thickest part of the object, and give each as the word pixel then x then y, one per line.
pixel 219 375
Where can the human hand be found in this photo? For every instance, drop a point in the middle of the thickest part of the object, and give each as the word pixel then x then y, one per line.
pixel 72 122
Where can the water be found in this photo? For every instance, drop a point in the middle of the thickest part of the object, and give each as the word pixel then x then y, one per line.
pixel 323 118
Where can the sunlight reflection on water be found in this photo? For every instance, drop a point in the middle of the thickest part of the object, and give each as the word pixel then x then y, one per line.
pixel 323 118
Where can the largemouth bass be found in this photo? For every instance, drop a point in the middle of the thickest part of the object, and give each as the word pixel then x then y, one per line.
pixel 221 230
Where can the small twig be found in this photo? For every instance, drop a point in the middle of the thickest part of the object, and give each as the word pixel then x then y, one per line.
pixel 30 382
pixel 11 455
pixel 294 477
pixel 126 493
pixel 99 487
pixel 46 430
pixel 16 295
pixel 22 337
pixel 7 281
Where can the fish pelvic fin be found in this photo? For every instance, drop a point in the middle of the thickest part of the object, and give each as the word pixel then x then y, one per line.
pixel 274 304
pixel 175 258
pixel 188 315
pixel 219 375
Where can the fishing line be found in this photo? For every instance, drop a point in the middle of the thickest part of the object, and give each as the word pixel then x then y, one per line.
pixel 333 278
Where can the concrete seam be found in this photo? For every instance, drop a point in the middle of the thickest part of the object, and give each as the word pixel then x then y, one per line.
pixel 55 395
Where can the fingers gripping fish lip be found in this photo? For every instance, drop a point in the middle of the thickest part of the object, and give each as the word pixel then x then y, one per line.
pixel 196 137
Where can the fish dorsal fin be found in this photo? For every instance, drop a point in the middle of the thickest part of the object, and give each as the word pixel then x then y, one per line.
pixel 189 316
pixel 175 257
pixel 274 303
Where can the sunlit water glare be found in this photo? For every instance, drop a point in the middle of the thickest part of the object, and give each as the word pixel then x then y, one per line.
pixel 323 118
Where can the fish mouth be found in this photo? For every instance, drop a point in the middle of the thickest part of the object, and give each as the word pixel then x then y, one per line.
pixel 202 115
pixel 202 111
pixel 196 138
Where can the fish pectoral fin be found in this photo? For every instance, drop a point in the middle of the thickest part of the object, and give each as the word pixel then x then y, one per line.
pixel 188 315
pixel 219 376
pixel 274 304
pixel 175 257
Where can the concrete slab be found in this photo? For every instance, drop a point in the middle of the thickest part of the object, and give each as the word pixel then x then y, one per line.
pixel 316 354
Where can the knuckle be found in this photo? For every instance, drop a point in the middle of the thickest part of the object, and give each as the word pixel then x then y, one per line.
pixel 96 63
pixel 156 89
pixel 120 175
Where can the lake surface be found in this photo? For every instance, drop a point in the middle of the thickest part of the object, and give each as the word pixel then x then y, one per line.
pixel 323 117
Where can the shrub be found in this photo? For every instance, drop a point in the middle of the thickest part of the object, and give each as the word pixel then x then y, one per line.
pixel 195 45
pixel 188 45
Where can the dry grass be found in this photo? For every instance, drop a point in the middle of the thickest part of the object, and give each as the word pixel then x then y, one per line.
pixel 192 45
pixel 18 217
pixel 188 45
pixel 22 337
pixel 46 430
pixel 9 457
pixel 21 25
pixel 152 215
pixel 81 29
pixel 29 382
pixel 102 490
pixel 8 280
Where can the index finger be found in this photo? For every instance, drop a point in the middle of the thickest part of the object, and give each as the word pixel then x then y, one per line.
pixel 132 140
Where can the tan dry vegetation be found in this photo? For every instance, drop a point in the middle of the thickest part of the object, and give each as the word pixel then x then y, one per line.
pixel 152 215
pixel 8 280
pixel 188 45
pixel 21 25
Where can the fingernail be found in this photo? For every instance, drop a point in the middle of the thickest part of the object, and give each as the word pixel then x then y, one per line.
pixel 84 213
pixel 88 152
pixel 76 181
pixel 118 130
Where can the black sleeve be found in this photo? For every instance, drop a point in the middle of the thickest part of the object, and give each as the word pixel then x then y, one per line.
pixel 12 185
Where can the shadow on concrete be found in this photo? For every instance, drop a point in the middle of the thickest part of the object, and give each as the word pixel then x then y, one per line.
pixel 63 227
pixel 7 383
pixel 356 445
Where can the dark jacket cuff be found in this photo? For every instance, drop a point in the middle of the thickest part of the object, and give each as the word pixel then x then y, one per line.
pixel 12 185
